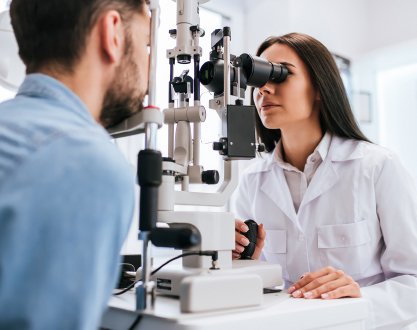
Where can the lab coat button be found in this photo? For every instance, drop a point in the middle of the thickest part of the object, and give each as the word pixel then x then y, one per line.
pixel 301 238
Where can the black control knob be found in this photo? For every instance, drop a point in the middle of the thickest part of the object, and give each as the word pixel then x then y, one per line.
pixel 221 146
pixel 210 177
pixel 184 58
pixel 260 148
pixel 217 146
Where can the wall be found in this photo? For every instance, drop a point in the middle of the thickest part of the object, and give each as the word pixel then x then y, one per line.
pixel 332 22
pixel 235 17
pixel 376 35
pixel 397 96
pixel 390 22
pixel 349 27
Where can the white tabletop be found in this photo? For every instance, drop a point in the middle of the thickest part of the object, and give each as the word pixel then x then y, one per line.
pixel 278 311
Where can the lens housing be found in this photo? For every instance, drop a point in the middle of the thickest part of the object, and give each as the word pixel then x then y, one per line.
pixel 255 72
pixel 259 71
pixel 211 75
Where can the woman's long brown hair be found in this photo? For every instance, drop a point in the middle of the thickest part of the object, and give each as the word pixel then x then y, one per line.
pixel 336 115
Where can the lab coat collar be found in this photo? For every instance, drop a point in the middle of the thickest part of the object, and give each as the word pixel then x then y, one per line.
pixel 324 145
pixel 340 150
pixel 320 151
pixel 282 196
pixel 325 178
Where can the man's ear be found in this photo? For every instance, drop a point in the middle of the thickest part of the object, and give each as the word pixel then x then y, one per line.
pixel 112 36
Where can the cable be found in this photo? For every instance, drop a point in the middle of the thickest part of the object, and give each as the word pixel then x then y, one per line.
pixel 214 257
pixel 128 264
pixel 125 289
pixel 213 254
pixel 136 322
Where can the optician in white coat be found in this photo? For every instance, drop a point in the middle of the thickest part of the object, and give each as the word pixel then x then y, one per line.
pixel 358 213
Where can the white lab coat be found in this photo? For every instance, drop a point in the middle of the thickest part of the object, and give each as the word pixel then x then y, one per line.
pixel 359 214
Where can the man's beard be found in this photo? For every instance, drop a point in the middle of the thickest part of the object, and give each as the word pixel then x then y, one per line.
pixel 123 98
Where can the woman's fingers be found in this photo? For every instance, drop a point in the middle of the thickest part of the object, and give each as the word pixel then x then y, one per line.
pixel 241 241
pixel 326 283
pixel 309 277
pixel 241 226
pixel 352 290
pixel 325 288
pixel 239 248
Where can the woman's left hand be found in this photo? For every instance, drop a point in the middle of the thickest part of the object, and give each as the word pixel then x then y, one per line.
pixel 326 283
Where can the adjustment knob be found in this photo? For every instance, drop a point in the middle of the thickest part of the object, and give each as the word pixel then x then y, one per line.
pixel 221 146
pixel 210 177
pixel 260 148
pixel 218 146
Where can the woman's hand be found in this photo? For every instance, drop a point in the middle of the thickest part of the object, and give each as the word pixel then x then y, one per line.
pixel 326 283
pixel 241 241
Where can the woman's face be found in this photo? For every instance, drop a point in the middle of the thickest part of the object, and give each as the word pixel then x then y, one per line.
pixel 291 102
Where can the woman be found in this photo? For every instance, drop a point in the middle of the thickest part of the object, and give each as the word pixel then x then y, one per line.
pixel 339 213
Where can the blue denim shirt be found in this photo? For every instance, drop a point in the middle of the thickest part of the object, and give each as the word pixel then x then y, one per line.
pixel 66 201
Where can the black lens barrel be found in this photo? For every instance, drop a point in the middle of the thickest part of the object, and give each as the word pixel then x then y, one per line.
pixel 256 73
pixel 259 71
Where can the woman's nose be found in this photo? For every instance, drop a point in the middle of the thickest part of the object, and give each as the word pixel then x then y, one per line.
pixel 266 89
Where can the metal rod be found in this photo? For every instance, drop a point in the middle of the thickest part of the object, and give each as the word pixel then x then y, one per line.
pixel 151 130
pixel 196 78
pixel 144 295
pixel 153 56
pixel 171 77
pixel 196 143
pixel 226 55
pixel 238 82
pixel 171 133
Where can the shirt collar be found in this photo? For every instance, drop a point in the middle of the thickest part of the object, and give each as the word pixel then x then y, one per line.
pixel 44 86
pixel 324 145
pixel 321 151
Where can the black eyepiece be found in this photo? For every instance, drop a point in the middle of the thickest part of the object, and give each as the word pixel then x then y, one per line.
pixel 259 71
pixel 255 71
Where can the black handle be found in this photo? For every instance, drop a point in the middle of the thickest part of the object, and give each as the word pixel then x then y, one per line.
pixel 251 235
pixel 178 238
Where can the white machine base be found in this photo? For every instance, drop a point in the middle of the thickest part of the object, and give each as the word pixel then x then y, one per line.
pixel 169 279
pixel 207 290
pixel 208 293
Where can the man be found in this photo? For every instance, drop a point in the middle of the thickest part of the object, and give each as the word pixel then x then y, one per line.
pixel 66 194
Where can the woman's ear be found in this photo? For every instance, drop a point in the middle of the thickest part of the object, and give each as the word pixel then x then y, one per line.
pixel 112 36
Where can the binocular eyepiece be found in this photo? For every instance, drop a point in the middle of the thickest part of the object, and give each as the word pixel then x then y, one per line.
pixel 254 71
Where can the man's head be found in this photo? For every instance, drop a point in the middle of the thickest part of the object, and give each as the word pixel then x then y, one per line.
pixel 58 35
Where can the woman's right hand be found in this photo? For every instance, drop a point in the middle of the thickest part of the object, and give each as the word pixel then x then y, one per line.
pixel 241 241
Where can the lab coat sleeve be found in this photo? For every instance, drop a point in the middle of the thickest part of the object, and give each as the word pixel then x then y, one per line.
pixel 393 302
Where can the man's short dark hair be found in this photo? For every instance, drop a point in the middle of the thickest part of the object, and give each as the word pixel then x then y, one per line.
pixel 54 32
